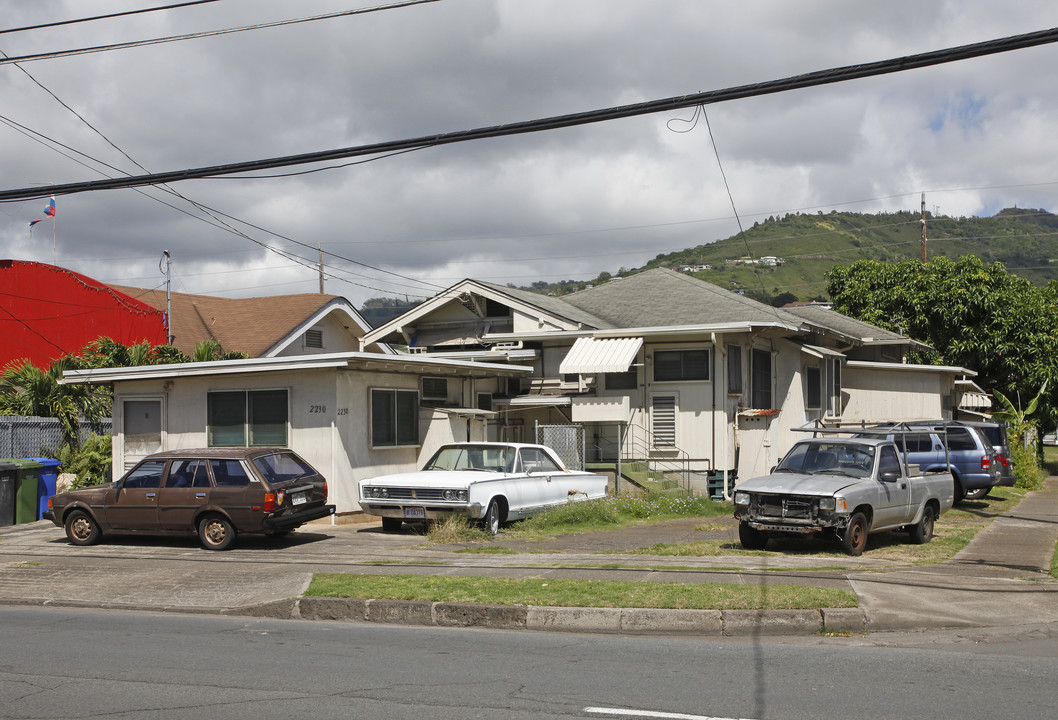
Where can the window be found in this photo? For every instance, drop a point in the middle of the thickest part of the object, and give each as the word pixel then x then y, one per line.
pixel 188 474
pixel 672 365
pixel 145 475
pixel 534 460
pixel 434 391
pixel 761 377
pixel 314 338
pixel 240 418
pixel 813 388
pixel 734 370
pixel 485 401
pixel 394 418
pixel 229 473
pixel 834 386
pixel 622 380
pixel 888 461
pixel 663 420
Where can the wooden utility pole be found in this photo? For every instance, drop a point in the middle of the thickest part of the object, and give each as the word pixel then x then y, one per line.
pixel 923 227
pixel 319 249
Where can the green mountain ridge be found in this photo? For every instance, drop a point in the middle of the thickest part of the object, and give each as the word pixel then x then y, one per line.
pixel 807 245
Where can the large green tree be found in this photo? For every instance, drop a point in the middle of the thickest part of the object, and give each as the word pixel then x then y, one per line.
pixel 974 316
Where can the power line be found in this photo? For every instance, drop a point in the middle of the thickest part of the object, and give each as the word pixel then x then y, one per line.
pixel 58 23
pixel 206 33
pixel 813 79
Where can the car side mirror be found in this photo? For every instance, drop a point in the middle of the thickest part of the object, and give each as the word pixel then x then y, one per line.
pixel 772 469
pixel 889 476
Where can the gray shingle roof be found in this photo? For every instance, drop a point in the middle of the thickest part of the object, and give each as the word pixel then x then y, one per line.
pixel 558 307
pixel 849 327
pixel 661 298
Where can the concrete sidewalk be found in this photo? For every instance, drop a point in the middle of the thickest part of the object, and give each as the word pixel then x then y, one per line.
pixel 1000 579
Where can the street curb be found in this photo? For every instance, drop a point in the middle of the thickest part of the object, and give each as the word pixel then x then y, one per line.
pixel 720 623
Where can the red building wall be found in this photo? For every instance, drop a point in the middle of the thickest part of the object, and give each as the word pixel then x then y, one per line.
pixel 47 312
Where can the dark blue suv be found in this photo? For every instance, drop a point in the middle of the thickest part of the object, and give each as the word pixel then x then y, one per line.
pixel 971 459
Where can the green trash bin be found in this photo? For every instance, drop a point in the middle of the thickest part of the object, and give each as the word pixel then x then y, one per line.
pixel 27 475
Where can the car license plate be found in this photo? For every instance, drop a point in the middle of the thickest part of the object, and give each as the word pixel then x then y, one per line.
pixel 415 512
pixel 299 499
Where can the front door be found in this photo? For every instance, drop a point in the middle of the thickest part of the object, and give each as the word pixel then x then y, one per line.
pixel 135 503
pixel 894 497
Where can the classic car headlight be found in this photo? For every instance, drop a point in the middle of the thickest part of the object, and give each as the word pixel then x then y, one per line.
pixel 375 492
pixel 459 495
pixel 742 499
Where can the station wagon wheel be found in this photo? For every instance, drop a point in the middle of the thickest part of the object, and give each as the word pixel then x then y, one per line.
pixel 391 524
pixel 855 539
pixel 492 518
pixel 82 529
pixel 922 531
pixel 216 532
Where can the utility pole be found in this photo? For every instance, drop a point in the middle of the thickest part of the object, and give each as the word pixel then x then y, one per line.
pixel 168 299
pixel 320 251
pixel 923 227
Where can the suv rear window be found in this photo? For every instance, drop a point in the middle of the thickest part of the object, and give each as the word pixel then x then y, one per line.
pixel 960 439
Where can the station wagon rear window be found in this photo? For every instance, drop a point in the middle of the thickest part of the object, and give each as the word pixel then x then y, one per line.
pixel 282 467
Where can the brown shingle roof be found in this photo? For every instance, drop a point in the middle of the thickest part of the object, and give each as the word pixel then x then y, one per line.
pixel 249 325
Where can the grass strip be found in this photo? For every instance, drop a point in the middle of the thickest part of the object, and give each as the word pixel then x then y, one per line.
pixel 578 593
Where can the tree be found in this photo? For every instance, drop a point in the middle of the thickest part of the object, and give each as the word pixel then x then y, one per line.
pixel 974 316
pixel 25 389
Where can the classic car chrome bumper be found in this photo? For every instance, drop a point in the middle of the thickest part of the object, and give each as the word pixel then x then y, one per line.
pixel 417 511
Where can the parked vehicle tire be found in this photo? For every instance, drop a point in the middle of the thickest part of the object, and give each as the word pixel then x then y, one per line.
pixel 977 494
pixel 752 538
pixel 960 492
pixel 922 531
pixel 854 541
pixel 391 524
pixel 491 523
pixel 216 532
pixel 82 529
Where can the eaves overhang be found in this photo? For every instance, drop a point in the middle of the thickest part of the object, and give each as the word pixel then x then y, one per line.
pixel 648 332
pixel 951 369
pixel 351 361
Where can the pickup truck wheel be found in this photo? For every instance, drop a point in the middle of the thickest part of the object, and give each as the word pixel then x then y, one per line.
pixel 215 532
pixel 81 529
pixel 752 538
pixel 855 539
pixel 390 524
pixel 922 531
pixel 491 522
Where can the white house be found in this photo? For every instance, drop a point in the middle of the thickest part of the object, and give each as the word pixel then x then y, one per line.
pixel 665 368
pixel 352 415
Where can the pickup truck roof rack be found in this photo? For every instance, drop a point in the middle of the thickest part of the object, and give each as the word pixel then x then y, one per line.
pixel 902 428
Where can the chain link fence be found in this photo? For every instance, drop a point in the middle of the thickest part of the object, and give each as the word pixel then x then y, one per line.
pixel 566 440
pixel 26 437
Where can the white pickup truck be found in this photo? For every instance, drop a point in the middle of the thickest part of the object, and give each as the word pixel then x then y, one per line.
pixel 845 488
pixel 490 482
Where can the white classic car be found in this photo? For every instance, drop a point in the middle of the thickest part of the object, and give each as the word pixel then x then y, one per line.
pixel 490 482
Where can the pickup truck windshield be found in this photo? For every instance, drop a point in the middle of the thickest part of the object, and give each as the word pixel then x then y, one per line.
pixel 840 458
pixel 490 458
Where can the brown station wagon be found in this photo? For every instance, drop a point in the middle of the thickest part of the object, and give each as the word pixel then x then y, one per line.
pixel 214 492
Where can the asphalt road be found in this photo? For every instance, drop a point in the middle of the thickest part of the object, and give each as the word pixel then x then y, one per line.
pixel 111 664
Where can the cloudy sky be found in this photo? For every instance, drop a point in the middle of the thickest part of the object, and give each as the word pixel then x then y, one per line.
pixel 976 136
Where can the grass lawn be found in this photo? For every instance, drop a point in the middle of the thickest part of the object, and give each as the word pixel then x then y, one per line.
pixel 577 593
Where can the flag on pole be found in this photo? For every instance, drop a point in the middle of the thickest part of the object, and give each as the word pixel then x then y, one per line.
pixel 49 212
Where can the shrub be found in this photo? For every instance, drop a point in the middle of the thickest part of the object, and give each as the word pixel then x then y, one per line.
pixel 91 462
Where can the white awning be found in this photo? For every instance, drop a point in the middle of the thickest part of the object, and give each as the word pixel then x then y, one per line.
pixel 600 355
